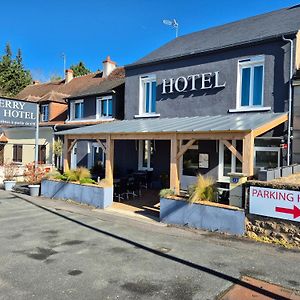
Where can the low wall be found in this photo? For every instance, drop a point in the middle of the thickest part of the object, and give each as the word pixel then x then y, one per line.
pixel 93 195
pixel 202 216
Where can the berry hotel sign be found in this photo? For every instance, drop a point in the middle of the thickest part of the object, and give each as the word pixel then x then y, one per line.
pixel 283 204
pixel 17 113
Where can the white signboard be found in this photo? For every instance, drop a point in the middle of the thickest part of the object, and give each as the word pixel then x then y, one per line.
pixel 282 204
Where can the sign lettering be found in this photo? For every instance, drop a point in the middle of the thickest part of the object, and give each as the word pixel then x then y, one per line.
pixel 193 82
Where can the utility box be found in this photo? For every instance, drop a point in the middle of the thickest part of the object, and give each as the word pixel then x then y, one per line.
pixel 236 189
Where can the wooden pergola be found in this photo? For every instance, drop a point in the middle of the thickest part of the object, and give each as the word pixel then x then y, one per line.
pixel 177 146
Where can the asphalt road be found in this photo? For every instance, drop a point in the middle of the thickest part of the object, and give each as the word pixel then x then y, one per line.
pixel 75 252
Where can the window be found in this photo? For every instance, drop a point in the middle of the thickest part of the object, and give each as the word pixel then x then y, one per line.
pixel 267 157
pixel 42 154
pixel 190 164
pixel 76 109
pixel 228 162
pixel 45 112
pixel 146 151
pixel 251 82
pixel 17 153
pixel 147 95
pixel 104 107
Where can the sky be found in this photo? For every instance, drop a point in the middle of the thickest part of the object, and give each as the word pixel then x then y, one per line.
pixel 89 30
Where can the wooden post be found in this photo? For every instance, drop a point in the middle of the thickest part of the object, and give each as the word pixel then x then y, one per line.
pixel 248 154
pixel 174 173
pixel 66 154
pixel 109 160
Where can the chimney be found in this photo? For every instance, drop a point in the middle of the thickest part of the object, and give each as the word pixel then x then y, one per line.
pixel 108 66
pixel 34 82
pixel 69 75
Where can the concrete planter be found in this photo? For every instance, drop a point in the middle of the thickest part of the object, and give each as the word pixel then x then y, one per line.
pixel 9 184
pixel 100 197
pixel 34 190
pixel 286 171
pixel 296 169
pixel 277 173
pixel 196 215
pixel 266 175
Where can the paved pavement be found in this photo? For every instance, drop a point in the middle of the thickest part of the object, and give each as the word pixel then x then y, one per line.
pixel 52 249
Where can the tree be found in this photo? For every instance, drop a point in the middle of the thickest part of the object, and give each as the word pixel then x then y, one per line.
pixel 55 77
pixel 13 76
pixel 80 69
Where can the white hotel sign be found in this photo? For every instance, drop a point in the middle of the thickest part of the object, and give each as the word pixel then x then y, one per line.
pixel 283 204
pixel 193 82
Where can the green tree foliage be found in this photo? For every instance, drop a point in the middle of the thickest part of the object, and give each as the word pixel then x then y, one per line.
pixel 13 76
pixel 80 69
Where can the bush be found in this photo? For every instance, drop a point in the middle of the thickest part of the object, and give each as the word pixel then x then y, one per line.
pixel 87 180
pixel 204 189
pixel 10 171
pixel 166 193
pixel 34 175
pixel 77 174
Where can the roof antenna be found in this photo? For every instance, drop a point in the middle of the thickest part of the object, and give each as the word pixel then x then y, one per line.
pixel 172 23
pixel 64 60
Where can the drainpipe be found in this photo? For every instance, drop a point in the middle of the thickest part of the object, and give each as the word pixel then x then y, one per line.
pixel 290 97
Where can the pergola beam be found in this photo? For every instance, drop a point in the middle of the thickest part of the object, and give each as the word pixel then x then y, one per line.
pixel 109 160
pixel 233 150
pixel 174 169
pixel 72 145
pixel 185 147
pixel 66 153
pixel 102 146
pixel 248 154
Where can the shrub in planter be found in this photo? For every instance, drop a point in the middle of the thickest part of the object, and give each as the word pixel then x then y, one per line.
pixel 204 190
pixel 77 174
pixel 33 176
pixel 164 193
pixel 10 172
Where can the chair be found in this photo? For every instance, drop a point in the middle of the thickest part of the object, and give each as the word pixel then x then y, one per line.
pixel 120 190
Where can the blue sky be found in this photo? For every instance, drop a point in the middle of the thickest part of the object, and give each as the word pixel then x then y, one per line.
pixel 92 29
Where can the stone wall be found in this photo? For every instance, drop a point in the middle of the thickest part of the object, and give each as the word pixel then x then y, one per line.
pixel 273 230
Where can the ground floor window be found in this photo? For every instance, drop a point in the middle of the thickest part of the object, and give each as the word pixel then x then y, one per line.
pixel 1 154
pixel 228 163
pixel 98 155
pixel 17 153
pixel 146 151
pixel 42 154
pixel 267 157
pixel 190 162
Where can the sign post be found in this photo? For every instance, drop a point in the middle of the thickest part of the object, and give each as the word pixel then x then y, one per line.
pixel 282 204
pixel 36 156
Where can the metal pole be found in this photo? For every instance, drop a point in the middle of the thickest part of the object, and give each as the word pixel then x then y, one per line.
pixel 36 158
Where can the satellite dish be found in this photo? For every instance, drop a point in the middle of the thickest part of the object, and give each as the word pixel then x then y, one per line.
pixel 168 22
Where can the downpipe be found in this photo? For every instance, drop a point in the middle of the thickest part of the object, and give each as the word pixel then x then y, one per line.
pixel 290 98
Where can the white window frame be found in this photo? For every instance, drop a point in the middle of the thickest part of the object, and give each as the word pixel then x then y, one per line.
pixel 72 108
pixel 250 63
pixel 43 114
pixel 142 96
pixel 267 149
pixel 221 176
pixel 141 158
pixel 98 107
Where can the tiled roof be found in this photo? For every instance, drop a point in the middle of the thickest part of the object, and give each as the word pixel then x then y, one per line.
pixel 57 91
pixel 3 138
pixel 261 27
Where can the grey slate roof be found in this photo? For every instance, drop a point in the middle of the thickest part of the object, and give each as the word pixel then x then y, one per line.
pixel 273 24
pixel 219 123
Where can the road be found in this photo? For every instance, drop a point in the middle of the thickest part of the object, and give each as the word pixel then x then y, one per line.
pixel 52 249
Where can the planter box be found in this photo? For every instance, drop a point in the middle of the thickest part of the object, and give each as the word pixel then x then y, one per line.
pixel 210 217
pixel 286 171
pixel 266 175
pixel 277 173
pixel 93 195
pixel 296 169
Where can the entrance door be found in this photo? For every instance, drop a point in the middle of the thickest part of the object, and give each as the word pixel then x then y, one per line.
pixel 189 165
pixel 74 157
pixel 1 154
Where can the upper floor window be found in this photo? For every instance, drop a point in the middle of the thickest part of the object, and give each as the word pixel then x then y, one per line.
pixel 76 109
pixel 251 82
pixel 147 95
pixel 45 112
pixel 104 107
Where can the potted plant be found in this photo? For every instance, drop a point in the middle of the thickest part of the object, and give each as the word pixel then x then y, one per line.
pixel 33 176
pixel 10 172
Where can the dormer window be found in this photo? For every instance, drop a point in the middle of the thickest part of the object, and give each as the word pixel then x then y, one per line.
pixel 147 95
pixel 45 112
pixel 104 107
pixel 76 109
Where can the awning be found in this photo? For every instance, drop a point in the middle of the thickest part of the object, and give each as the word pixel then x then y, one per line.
pixel 230 123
